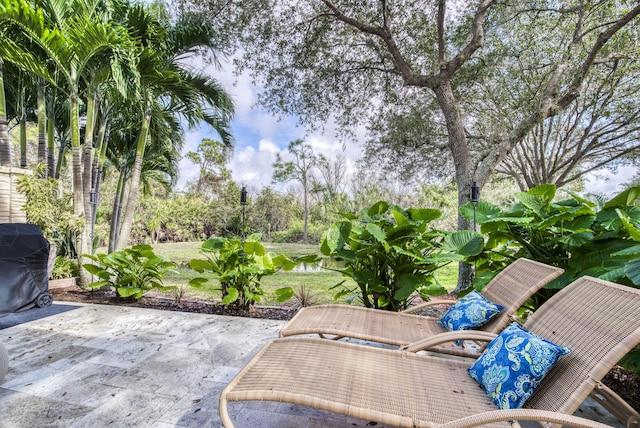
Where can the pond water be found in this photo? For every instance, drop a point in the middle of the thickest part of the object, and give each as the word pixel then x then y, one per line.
pixel 317 267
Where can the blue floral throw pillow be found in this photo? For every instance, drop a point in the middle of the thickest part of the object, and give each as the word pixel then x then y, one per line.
pixel 472 311
pixel 513 365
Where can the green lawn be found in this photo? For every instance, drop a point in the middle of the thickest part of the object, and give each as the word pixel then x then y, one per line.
pixel 315 281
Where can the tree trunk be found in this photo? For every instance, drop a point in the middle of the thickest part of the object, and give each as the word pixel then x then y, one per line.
pixel 42 122
pixel 116 213
pixel 22 114
pixel 5 140
pixel 23 138
pixel 82 246
pixel 132 199
pixel 51 143
pixel 462 161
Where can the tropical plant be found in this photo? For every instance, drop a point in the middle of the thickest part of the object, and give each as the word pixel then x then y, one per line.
pixel 64 268
pixel 49 207
pixel 240 266
pixel 391 254
pixel 574 234
pixel 131 271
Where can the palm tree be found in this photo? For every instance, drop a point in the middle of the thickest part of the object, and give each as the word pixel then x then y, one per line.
pixel 160 164
pixel 73 35
pixel 163 77
pixel 5 140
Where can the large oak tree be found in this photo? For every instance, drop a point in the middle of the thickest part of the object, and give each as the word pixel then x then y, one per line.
pixel 322 59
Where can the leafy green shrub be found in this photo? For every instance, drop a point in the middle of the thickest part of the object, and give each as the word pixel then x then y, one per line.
pixel 240 266
pixel 64 268
pixel 295 233
pixel 390 253
pixel 51 209
pixel 572 234
pixel 131 272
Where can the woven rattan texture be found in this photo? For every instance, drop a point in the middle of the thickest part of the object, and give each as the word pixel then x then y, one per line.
pixel 600 322
pixel 510 288
pixel 361 381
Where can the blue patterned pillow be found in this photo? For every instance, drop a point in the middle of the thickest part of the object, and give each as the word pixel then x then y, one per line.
pixel 472 311
pixel 514 364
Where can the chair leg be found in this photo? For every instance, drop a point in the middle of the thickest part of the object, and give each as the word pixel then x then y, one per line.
pixel 616 405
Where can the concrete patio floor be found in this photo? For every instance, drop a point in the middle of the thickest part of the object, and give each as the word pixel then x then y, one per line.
pixel 78 365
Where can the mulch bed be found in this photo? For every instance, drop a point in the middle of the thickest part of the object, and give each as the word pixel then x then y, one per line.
pixel 625 383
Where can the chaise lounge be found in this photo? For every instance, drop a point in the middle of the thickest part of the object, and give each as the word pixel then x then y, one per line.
pixel 510 288
pixel 598 320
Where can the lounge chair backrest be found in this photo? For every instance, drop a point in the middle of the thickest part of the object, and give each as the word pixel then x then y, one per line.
pixel 600 322
pixel 513 286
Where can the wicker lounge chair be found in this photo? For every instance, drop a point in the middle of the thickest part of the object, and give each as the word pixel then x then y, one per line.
pixel 510 288
pixel 598 320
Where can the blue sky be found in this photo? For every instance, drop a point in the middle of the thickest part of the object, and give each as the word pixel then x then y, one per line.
pixel 259 136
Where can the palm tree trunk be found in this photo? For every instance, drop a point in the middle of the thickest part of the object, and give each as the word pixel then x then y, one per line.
pixel 51 143
pixel 87 163
pixel 116 212
pixel 127 219
pixel 82 245
pixel 42 122
pixel 23 130
pixel 5 140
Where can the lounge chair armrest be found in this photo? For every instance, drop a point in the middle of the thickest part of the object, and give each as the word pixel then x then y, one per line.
pixel 450 336
pixel 523 415
pixel 427 304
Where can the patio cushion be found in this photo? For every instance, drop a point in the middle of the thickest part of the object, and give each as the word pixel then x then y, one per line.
pixel 472 311
pixel 514 364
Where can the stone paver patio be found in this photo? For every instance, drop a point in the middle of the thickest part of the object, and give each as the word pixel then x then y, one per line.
pixel 77 365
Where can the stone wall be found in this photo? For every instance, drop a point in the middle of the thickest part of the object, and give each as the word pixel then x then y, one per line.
pixel 11 201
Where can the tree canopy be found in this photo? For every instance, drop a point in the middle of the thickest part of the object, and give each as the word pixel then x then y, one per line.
pixel 494 70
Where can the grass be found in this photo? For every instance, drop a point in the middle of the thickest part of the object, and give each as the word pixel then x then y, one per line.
pixel 317 282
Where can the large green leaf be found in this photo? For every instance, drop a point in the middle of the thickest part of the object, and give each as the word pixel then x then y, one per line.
pixel 283 294
pixel 632 270
pixel 378 208
pixel 284 262
pixel 198 282
pixel 232 296
pixel 484 211
pixel 213 244
pixel 577 239
pixel 200 265
pixel 407 284
pixel 424 214
pixel 129 291
pixel 377 232
pixel 632 251
pixel 338 235
pixel 625 198
pixel 633 231
pixel 464 242
pixel 400 217
pixel 538 199
pixel 254 247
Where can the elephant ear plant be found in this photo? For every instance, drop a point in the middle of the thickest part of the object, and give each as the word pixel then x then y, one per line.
pixel 392 254
pixel 240 267
pixel 574 234
pixel 131 272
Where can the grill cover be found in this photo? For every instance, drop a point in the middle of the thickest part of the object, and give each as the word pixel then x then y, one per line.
pixel 24 255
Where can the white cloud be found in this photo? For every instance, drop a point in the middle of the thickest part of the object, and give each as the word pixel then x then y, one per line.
pixel 268 146
pixel 608 182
